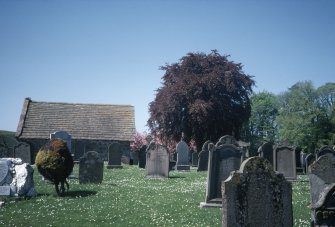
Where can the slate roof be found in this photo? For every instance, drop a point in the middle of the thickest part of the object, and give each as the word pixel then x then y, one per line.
pixel 82 121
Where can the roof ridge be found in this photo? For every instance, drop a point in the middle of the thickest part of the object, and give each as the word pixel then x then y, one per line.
pixel 70 103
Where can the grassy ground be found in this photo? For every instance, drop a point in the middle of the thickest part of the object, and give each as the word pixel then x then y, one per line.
pixel 126 198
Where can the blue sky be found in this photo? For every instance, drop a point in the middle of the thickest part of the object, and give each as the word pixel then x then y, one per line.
pixel 109 52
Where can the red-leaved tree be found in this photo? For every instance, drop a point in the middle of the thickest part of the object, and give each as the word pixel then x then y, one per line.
pixel 203 96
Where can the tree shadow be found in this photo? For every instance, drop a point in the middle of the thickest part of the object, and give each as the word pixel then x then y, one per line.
pixel 74 194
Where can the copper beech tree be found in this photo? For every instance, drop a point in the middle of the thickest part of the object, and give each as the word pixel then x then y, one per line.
pixel 202 96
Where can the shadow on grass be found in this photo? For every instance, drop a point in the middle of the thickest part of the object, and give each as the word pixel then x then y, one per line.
pixel 84 193
pixel 176 177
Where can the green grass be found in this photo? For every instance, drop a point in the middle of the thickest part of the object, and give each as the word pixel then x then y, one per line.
pixel 127 198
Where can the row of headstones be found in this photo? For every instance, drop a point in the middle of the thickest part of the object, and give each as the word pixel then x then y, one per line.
pixel 251 193
pixel 180 161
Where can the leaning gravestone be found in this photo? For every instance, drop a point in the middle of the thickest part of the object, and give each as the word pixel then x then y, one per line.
pixel 224 157
pixel 203 157
pixel 64 136
pixel 91 167
pixel 157 163
pixel 266 151
pixel 22 150
pixel 322 183
pixel 284 162
pixel 256 196
pixel 142 157
pixel 16 178
pixel 183 153
pixel 115 152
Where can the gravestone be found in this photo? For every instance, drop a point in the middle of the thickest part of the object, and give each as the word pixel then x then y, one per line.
pixel 299 169
pixel 183 152
pixel 321 174
pixel 142 157
pixel 203 157
pixel 115 152
pixel 22 150
pixel 157 163
pixel 284 162
pixel 16 178
pixel 174 156
pixel 326 150
pixel 323 212
pixel 303 161
pixel 195 159
pixel 91 168
pixel 133 158
pixel 310 158
pixel 223 158
pixel 64 136
pixel 322 183
pixel 256 196
pixel 266 151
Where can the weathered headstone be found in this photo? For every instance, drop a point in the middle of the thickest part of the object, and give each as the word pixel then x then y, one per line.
pixel 322 181
pixel 323 213
pixel 203 157
pixel 224 157
pixel 114 156
pixel 284 162
pixel 64 136
pixel 266 151
pixel 183 152
pixel 16 178
pixel 91 168
pixel 22 150
pixel 326 150
pixel 142 157
pixel 256 196
pixel 195 159
pixel 157 163
pixel 321 174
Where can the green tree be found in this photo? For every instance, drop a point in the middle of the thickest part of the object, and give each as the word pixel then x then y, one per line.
pixel 262 125
pixel 300 116
pixel 203 96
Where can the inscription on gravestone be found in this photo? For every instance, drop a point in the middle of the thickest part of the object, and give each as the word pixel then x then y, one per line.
pixel 256 196
pixel 157 162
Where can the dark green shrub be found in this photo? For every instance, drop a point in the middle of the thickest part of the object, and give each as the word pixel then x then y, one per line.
pixel 55 163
